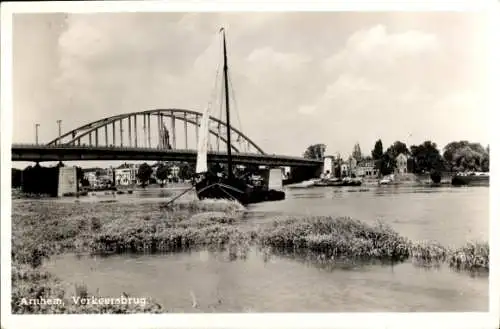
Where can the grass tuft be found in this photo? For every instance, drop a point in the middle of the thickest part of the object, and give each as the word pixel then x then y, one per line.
pixel 334 237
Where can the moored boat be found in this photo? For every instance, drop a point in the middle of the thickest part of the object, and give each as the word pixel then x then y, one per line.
pixel 471 179
pixel 227 186
pixel 347 181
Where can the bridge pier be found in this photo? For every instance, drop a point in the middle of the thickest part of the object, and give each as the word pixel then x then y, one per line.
pixel 121 133
pixel 97 137
pixel 54 181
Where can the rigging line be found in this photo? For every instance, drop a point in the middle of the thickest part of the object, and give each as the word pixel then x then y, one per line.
pixel 178 196
pixel 217 73
pixel 240 124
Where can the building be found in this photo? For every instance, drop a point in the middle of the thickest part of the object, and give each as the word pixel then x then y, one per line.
pixel 91 177
pixel 366 168
pixel 401 164
pixel 126 174
pixel 352 163
pixel 328 164
pixel 344 169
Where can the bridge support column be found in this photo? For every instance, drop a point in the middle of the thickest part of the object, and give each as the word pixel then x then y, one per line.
pixel 114 133
pixel 174 145
pixel 144 129
pixel 160 123
pixel 96 137
pixel 129 132
pixel 197 120
pixel 106 135
pixel 185 131
pixel 90 139
pixel 149 130
pixel 135 130
pixel 121 132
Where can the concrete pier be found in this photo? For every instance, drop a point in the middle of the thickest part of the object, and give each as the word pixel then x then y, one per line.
pixel 68 183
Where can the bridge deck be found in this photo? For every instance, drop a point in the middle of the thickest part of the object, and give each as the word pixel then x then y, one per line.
pixel 40 153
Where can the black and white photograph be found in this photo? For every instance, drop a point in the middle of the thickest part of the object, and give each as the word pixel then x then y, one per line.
pixel 243 162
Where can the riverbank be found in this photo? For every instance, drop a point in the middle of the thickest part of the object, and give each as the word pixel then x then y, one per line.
pixel 41 229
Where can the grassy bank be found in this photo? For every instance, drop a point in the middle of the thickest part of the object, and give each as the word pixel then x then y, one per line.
pixel 41 229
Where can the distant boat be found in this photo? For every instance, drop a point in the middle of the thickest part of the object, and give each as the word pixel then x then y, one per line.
pixel 387 180
pixel 304 184
pixel 209 185
pixel 471 179
pixel 347 181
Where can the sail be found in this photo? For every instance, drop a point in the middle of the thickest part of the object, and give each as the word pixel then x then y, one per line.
pixel 201 160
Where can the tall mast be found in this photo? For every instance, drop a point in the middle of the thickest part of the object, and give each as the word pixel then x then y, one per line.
pixel 228 120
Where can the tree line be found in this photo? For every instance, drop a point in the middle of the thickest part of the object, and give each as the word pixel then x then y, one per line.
pixel 456 157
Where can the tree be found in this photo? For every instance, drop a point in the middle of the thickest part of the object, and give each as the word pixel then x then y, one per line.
pixel 377 154
pixel 388 161
pixel 356 152
pixel 436 176
pixel 378 150
pixel 464 155
pixel 144 173
pixel 426 157
pixel 316 151
pixel 162 173
pixel 397 148
pixel 186 170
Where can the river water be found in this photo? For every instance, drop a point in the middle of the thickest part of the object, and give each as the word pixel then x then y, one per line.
pixel 207 281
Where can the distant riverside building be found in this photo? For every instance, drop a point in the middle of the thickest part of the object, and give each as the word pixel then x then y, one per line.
pixel 91 177
pixel 344 169
pixel 126 174
pixel 328 164
pixel 401 164
pixel 352 164
pixel 366 168
pixel 174 171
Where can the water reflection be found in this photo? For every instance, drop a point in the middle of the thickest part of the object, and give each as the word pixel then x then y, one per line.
pixel 275 283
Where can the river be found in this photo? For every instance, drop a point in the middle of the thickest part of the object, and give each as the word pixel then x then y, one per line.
pixel 207 281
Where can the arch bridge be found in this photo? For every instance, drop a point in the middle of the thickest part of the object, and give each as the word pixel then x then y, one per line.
pixel 120 138
pixel 122 131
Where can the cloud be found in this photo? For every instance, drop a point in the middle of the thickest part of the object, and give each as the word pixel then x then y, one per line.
pixel 335 78
pixel 374 52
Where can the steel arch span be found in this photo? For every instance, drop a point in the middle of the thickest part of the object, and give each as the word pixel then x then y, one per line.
pixel 92 131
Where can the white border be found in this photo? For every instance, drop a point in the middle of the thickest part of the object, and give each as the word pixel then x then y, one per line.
pixel 274 320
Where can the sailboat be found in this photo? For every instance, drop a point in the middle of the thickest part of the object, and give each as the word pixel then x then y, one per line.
pixel 209 185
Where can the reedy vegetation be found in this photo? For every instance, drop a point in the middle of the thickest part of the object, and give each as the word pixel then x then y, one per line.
pixel 41 229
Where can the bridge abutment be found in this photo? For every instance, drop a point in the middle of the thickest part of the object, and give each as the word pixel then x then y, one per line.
pixel 54 181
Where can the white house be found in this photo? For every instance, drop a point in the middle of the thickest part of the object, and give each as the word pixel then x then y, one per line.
pixel 126 174
pixel 401 164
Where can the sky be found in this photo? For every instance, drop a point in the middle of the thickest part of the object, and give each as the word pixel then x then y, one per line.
pixel 336 78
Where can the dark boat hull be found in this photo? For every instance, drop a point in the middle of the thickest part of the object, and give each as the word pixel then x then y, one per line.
pixel 470 180
pixel 235 189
